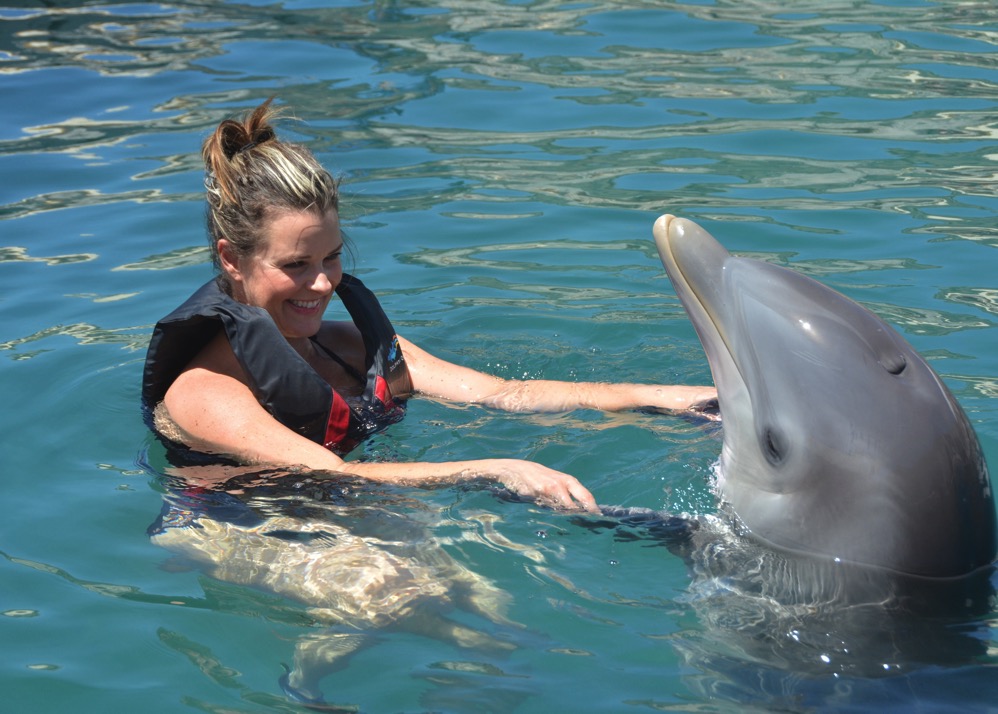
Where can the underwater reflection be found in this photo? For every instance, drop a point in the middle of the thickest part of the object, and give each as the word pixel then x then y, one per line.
pixel 361 558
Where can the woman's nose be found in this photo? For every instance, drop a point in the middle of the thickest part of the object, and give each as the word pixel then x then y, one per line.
pixel 323 282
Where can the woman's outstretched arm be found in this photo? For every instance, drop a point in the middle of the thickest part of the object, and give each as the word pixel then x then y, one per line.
pixel 435 377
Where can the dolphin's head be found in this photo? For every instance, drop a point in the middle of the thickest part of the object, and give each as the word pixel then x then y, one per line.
pixel 839 440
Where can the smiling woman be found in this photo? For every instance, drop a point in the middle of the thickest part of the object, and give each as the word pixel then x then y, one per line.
pixel 247 368
pixel 281 386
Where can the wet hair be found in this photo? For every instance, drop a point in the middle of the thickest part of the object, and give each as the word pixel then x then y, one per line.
pixel 251 177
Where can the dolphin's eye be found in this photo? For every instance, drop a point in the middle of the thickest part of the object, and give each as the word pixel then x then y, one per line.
pixel 773 447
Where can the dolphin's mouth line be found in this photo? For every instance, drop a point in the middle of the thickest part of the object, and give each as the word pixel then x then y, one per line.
pixel 712 339
pixel 687 295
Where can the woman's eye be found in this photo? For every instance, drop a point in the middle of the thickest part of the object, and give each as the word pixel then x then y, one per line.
pixel 295 265
pixel 333 257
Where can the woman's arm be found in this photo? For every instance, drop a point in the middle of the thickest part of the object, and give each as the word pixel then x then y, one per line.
pixel 437 378
pixel 215 412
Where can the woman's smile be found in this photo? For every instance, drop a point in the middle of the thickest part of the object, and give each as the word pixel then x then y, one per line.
pixel 306 305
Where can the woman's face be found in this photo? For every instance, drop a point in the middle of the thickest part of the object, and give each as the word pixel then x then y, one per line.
pixel 294 272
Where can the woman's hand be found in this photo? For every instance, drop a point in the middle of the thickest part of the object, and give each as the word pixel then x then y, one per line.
pixel 702 400
pixel 707 407
pixel 541 484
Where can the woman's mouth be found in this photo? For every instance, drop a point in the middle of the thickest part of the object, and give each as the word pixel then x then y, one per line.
pixel 305 304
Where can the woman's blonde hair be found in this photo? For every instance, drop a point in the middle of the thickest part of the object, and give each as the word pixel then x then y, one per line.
pixel 251 177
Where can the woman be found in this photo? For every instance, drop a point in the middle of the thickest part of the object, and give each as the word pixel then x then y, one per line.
pixel 248 368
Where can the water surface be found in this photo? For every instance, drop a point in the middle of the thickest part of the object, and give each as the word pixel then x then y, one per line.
pixel 502 164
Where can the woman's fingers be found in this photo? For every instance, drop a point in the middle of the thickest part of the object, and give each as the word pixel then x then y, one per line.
pixel 547 486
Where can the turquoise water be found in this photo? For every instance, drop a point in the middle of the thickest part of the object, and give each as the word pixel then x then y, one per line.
pixel 502 165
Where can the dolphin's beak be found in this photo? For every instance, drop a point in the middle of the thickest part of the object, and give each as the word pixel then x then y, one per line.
pixel 695 263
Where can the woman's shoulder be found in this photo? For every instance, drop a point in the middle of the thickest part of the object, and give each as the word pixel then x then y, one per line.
pixel 213 379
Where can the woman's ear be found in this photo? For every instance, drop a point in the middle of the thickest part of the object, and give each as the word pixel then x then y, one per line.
pixel 229 260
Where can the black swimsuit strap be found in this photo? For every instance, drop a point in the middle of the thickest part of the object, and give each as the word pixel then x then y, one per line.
pixel 342 363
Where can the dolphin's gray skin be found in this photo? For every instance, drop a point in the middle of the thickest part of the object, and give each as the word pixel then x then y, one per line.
pixel 840 443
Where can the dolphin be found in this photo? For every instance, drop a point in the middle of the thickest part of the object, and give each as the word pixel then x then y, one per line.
pixel 841 446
